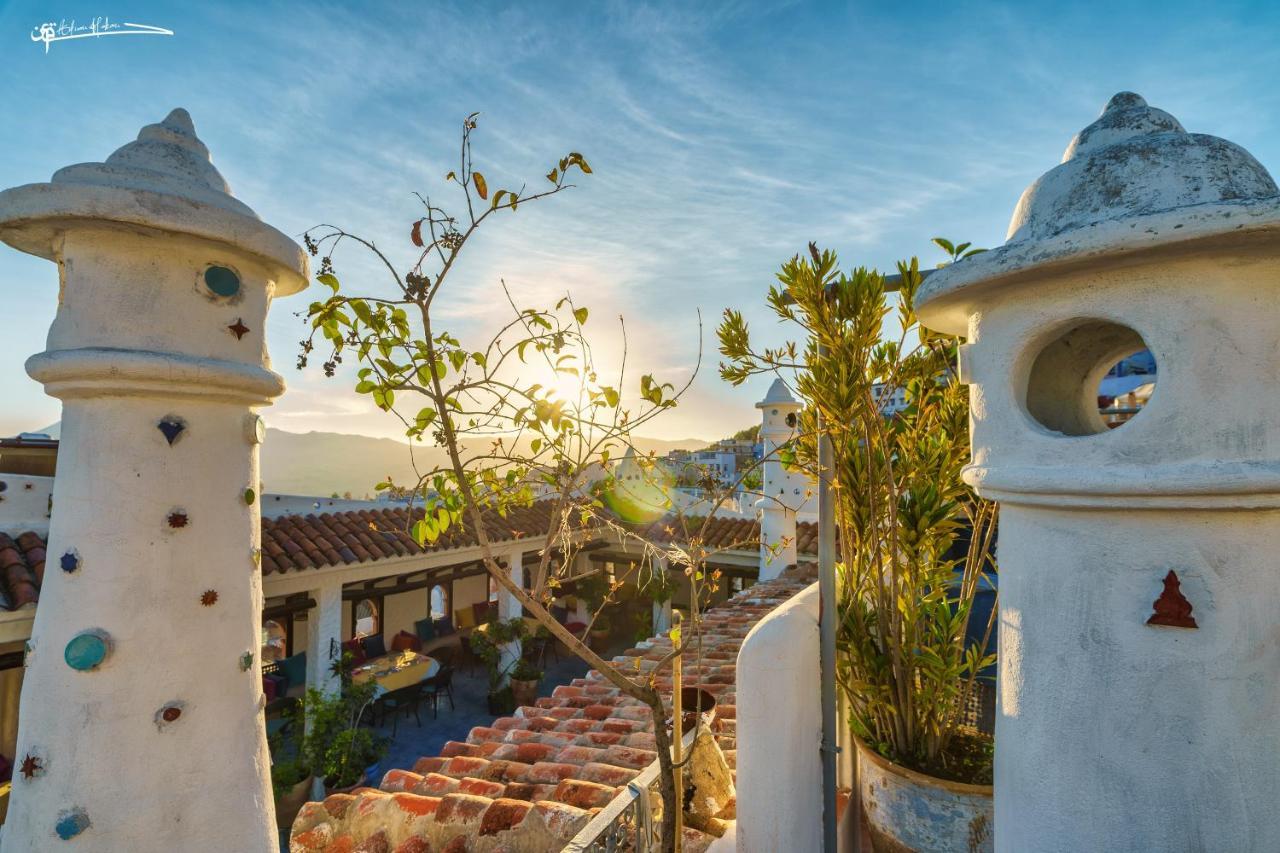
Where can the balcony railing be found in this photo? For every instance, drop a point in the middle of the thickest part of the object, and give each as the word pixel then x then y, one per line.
pixel 631 822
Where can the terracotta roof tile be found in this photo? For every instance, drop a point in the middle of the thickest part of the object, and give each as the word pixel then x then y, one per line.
pixel 21 570
pixel 529 781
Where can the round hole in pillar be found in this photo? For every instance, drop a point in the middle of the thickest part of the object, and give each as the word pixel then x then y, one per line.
pixel 1065 388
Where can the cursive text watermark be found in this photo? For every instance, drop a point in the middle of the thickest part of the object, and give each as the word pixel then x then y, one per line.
pixel 67 29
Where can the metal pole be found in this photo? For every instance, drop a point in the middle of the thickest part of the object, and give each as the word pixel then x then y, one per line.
pixel 677 713
pixel 827 615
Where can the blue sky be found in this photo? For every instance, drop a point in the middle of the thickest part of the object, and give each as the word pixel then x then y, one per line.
pixel 723 138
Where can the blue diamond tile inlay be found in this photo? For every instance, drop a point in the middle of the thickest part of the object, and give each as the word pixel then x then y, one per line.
pixel 72 824
pixel 86 651
pixel 222 281
pixel 70 561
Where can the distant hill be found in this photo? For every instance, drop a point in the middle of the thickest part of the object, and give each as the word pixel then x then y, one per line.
pixel 321 463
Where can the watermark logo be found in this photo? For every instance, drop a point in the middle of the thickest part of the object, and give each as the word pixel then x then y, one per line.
pixel 67 29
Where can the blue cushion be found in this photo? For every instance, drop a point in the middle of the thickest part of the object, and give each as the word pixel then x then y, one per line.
pixel 425 628
pixel 374 646
pixel 444 626
pixel 294 669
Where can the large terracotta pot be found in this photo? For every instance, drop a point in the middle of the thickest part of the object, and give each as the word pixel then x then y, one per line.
pixel 524 692
pixel 909 812
pixel 288 803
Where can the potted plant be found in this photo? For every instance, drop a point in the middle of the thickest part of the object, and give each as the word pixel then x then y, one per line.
pixel 494 647
pixel 908 658
pixel 595 590
pixel 332 744
pixel 525 677
pixel 290 779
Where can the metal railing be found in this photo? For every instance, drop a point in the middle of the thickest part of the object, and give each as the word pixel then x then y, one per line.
pixel 629 823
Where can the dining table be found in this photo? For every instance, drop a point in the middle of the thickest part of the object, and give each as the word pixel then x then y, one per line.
pixel 396 670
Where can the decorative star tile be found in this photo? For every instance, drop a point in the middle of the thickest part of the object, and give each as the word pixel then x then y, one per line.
pixel 31 767
pixel 209 598
pixel 238 328
pixel 69 562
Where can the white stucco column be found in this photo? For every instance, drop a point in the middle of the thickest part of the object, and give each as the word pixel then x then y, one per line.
pixel 324 635
pixel 661 609
pixel 783 490
pixel 1139 666
pixel 509 607
pixel 779 730
pixel 141 707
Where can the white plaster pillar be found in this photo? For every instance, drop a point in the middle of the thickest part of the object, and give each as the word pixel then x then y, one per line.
pixel 1121 724
pixel 783 490
pixel 779 731
pixel 324 634
pixel 661 617
pixel 142 700
pixel 509 607
pixel 661 609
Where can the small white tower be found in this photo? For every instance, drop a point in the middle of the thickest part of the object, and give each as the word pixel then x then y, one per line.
pixel 141 724
pixel 784 491
pixel 1139 661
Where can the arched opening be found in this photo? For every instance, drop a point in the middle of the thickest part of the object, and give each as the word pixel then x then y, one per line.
pixel 366 620
pixel 274 641
pixel 1065 388
pixel 439 601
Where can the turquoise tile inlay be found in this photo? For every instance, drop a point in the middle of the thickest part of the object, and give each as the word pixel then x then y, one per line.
pixel 86 651
pixel 72 824
pixel 222 281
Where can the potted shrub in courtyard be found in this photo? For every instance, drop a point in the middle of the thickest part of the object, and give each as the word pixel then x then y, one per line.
pixel 908 661
pixel 524 682
pixel 332 744
pixel 494 646
pixel 290 779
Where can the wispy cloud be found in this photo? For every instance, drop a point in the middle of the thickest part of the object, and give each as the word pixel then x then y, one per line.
pixel 724 137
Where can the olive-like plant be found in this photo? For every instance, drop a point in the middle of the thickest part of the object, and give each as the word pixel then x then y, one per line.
pixel 524 416
pixel 904 662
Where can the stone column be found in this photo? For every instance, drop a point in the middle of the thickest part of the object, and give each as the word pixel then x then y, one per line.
pixel 324 636
pixel 783 490
pixel 1139 666
pixel 141 724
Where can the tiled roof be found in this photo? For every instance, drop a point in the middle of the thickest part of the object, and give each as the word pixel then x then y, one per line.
pixel 741 534
pixel 296 542
pixel 531 781
pixel 21 570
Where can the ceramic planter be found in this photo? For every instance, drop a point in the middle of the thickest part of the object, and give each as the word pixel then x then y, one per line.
pixel 360 783
pixel 524 692
pixel 288 803
pixel 909 812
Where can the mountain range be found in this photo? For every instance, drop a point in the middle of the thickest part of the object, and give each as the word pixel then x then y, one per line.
pixel 322 463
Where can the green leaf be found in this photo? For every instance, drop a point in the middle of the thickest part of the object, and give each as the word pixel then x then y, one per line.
pixel 945 245
pixel 365 387
pixel 553 175
pixel 580 314
pixel 328 279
